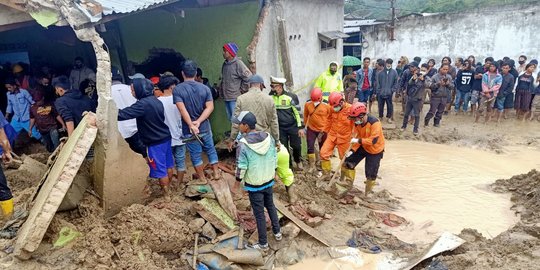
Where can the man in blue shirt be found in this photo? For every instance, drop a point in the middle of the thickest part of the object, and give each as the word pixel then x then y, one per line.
pixel 195 103
pixel 18 108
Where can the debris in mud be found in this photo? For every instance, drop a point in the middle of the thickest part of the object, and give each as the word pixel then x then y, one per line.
pixel 516 248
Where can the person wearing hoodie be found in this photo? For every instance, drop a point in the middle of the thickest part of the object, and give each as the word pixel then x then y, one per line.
pixel 154 133
pixel 329 81
pixel 491 83
pixel 256 159
pixel 71 103
pixel 385 86
pixel 234 77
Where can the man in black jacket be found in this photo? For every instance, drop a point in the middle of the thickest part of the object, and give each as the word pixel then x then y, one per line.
pixel 71 103
pixel 154 133
pixel 441 88
pixel 415 90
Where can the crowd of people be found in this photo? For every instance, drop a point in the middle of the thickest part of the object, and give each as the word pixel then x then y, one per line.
pixel 46 107
pixel 492 89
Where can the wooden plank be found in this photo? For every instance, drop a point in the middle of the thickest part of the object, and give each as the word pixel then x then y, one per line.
pixel 55 187
pixel 283 209
pixel 283 42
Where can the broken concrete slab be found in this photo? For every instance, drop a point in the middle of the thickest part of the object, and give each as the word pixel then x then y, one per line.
pixel 281 208
pixel 54 188
pixel 196 225
pixel 34 168
pixel 212 212
pixel 75 192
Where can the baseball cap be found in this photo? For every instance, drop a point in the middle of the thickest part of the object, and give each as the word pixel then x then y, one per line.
pixel 245 117
pixel 256 79
pixel 137 76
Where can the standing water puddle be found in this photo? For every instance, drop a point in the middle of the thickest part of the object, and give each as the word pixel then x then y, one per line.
pixel 445 188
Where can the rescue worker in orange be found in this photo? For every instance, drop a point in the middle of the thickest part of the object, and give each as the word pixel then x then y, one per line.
pixel 368 143
pixel 338 129
pixel 316 115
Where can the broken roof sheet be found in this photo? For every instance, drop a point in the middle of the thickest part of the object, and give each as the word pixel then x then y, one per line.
pixel 331 35
pixel 127 6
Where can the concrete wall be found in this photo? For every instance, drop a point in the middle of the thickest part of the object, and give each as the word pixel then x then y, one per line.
pixel 10 15
pixel 495 31
pixel 304 18
pixel 199 36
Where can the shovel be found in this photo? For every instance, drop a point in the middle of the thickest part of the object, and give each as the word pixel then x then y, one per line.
pixel 334 176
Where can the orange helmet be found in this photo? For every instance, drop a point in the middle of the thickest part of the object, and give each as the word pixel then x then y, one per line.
pixel 334 99
pixel 316 94
pixel 357 109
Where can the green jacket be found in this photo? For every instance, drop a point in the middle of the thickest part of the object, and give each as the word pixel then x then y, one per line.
pixel 256 160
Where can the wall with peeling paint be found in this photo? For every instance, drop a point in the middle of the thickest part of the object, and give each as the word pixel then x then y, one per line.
pixel 199 36
pixel 494 31
pixel 303 20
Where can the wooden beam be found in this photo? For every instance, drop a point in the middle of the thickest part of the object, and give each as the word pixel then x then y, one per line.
pixel 284 53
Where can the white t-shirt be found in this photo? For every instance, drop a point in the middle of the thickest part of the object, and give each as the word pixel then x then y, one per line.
pixel 173 119
pixel 121 95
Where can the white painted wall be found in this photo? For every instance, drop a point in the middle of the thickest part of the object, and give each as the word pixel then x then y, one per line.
pixel 494 31
pixel 304 18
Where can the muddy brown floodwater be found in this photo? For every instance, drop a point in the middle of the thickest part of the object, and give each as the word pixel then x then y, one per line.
pixel 445 188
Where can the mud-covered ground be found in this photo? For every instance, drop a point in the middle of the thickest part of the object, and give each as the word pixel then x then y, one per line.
pixel 157 234
pixel 516 248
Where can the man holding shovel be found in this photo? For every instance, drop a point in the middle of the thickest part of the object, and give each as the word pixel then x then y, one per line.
pixel 338 129
pixel 368 143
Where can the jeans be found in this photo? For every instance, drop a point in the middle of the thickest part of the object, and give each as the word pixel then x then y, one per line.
pixel 412 108
pixel 373 162
pixel 499 103
pixel 229 107
pixel 381 101
pixel 195 149
pixel 462 97
pixel 311 137
pixel 137 145
pixel 179 154
pixel 260 200
pixel 364 95
pixel 51 139
pixel 290 135
pixel 436 108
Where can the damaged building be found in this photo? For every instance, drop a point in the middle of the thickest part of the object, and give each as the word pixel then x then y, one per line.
pixel 277 37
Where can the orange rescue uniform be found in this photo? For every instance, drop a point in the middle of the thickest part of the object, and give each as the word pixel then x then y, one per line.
pixel 339 129
pixel 316 117
pixel 371 135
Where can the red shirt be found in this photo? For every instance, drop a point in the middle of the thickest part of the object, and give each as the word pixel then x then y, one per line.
pixel 365 84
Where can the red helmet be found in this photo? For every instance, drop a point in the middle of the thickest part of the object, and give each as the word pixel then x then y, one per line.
pixel 334 99
pixel 357 109
pixel 316 94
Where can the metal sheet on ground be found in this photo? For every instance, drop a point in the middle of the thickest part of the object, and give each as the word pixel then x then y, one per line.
pixel 55 187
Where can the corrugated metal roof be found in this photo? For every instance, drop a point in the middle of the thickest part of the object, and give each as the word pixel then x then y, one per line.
pixel 127 6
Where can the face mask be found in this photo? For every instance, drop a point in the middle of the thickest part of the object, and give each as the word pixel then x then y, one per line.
pixel 337 108
pixel 423 73
pixel 358 122
pixel 521 62
pixel 316 103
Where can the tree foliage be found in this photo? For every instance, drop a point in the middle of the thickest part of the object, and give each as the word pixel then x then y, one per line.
pixel 380 9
